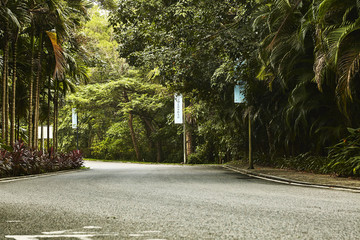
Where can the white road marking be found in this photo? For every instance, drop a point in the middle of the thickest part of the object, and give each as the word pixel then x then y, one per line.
pixel 55 232
pixel 136 235
pixel 14 221
pixel 92 227
pixel 36 237
pixel 151 232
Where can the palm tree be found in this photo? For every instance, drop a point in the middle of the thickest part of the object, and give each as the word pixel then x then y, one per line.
pixel 14 15
pixel 339 48
pixel 22 16
pixel 52 22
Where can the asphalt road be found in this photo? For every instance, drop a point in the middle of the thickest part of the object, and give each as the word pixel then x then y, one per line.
pixel 134 201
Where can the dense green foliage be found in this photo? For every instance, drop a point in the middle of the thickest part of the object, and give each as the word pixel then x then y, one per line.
pixel 345 156
pixel 297 63
pixel 41 60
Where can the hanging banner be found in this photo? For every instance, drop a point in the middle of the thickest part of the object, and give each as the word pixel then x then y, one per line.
pixel 178 109
pixel 238 96
pixel 74 118
pixel 44 129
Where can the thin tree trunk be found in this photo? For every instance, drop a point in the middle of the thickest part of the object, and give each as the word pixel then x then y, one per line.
pixel 48 118
pixel 189 137
pixel 31 90
pixel 270 142
pixel 55 116
pixel 12 125
pixel 56 123
pixel 37 93
pixel 7 113
pixel 42 138
pixel 132 132
pixel 133 137
pixel 4 84
pixel 159 152
pixel 18 129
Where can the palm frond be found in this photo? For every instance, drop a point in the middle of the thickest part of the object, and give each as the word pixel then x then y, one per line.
pixel 349 66
pixel 58 54
pixel 336 36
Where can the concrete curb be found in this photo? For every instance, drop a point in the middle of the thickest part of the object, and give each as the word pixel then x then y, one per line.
pixel 290 181
pixel 40 175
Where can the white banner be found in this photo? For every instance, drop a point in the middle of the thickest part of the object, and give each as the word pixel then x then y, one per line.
pixel 74 118
pixel 238 95
pixel 45 132
pixel 178 109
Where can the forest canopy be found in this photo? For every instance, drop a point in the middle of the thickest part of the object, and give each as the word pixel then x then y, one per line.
pixel 296 62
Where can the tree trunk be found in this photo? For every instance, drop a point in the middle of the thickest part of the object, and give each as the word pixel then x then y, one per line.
pixel 18 129
pixel 132 132
pixel 42 137
pixel 13 112
pixel 159 152
pixel 48 118
pixel 133 137
pixel 189 136
pixel 7 112
pixel 90 138
pixel 31 90
pixel 270 142
pixel 55 117
pixel 37 93
pixel 4 84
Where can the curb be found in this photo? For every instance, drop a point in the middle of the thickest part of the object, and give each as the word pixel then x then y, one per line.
pixel 40 175
pixel 290 181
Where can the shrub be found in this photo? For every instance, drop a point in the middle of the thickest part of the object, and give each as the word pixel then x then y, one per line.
pixel 345 156
pixel 21 160
pixel 303 162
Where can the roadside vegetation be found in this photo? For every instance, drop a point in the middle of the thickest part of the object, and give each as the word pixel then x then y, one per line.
pixel 20 160
pixel 297 63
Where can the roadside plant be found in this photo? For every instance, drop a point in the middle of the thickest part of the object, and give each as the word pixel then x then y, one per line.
pixel 345 156
pixel 21 160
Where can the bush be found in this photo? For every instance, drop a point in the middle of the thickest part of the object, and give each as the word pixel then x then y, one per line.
pixel 21 160
pixel 345 156
pixel 303 162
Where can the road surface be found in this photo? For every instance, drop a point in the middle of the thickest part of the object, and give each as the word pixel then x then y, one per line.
pixel 136 201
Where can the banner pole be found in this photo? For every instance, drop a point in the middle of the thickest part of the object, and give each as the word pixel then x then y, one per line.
pixel 184 123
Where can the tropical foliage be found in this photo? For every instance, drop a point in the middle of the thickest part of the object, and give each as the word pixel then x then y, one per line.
pixel 24 161
pixel 40 61
pixel 296 61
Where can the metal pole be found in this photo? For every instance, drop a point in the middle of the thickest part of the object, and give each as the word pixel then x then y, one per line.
pixel 77 137
pixel 77 132
pixel 251 164
pixel 184 123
